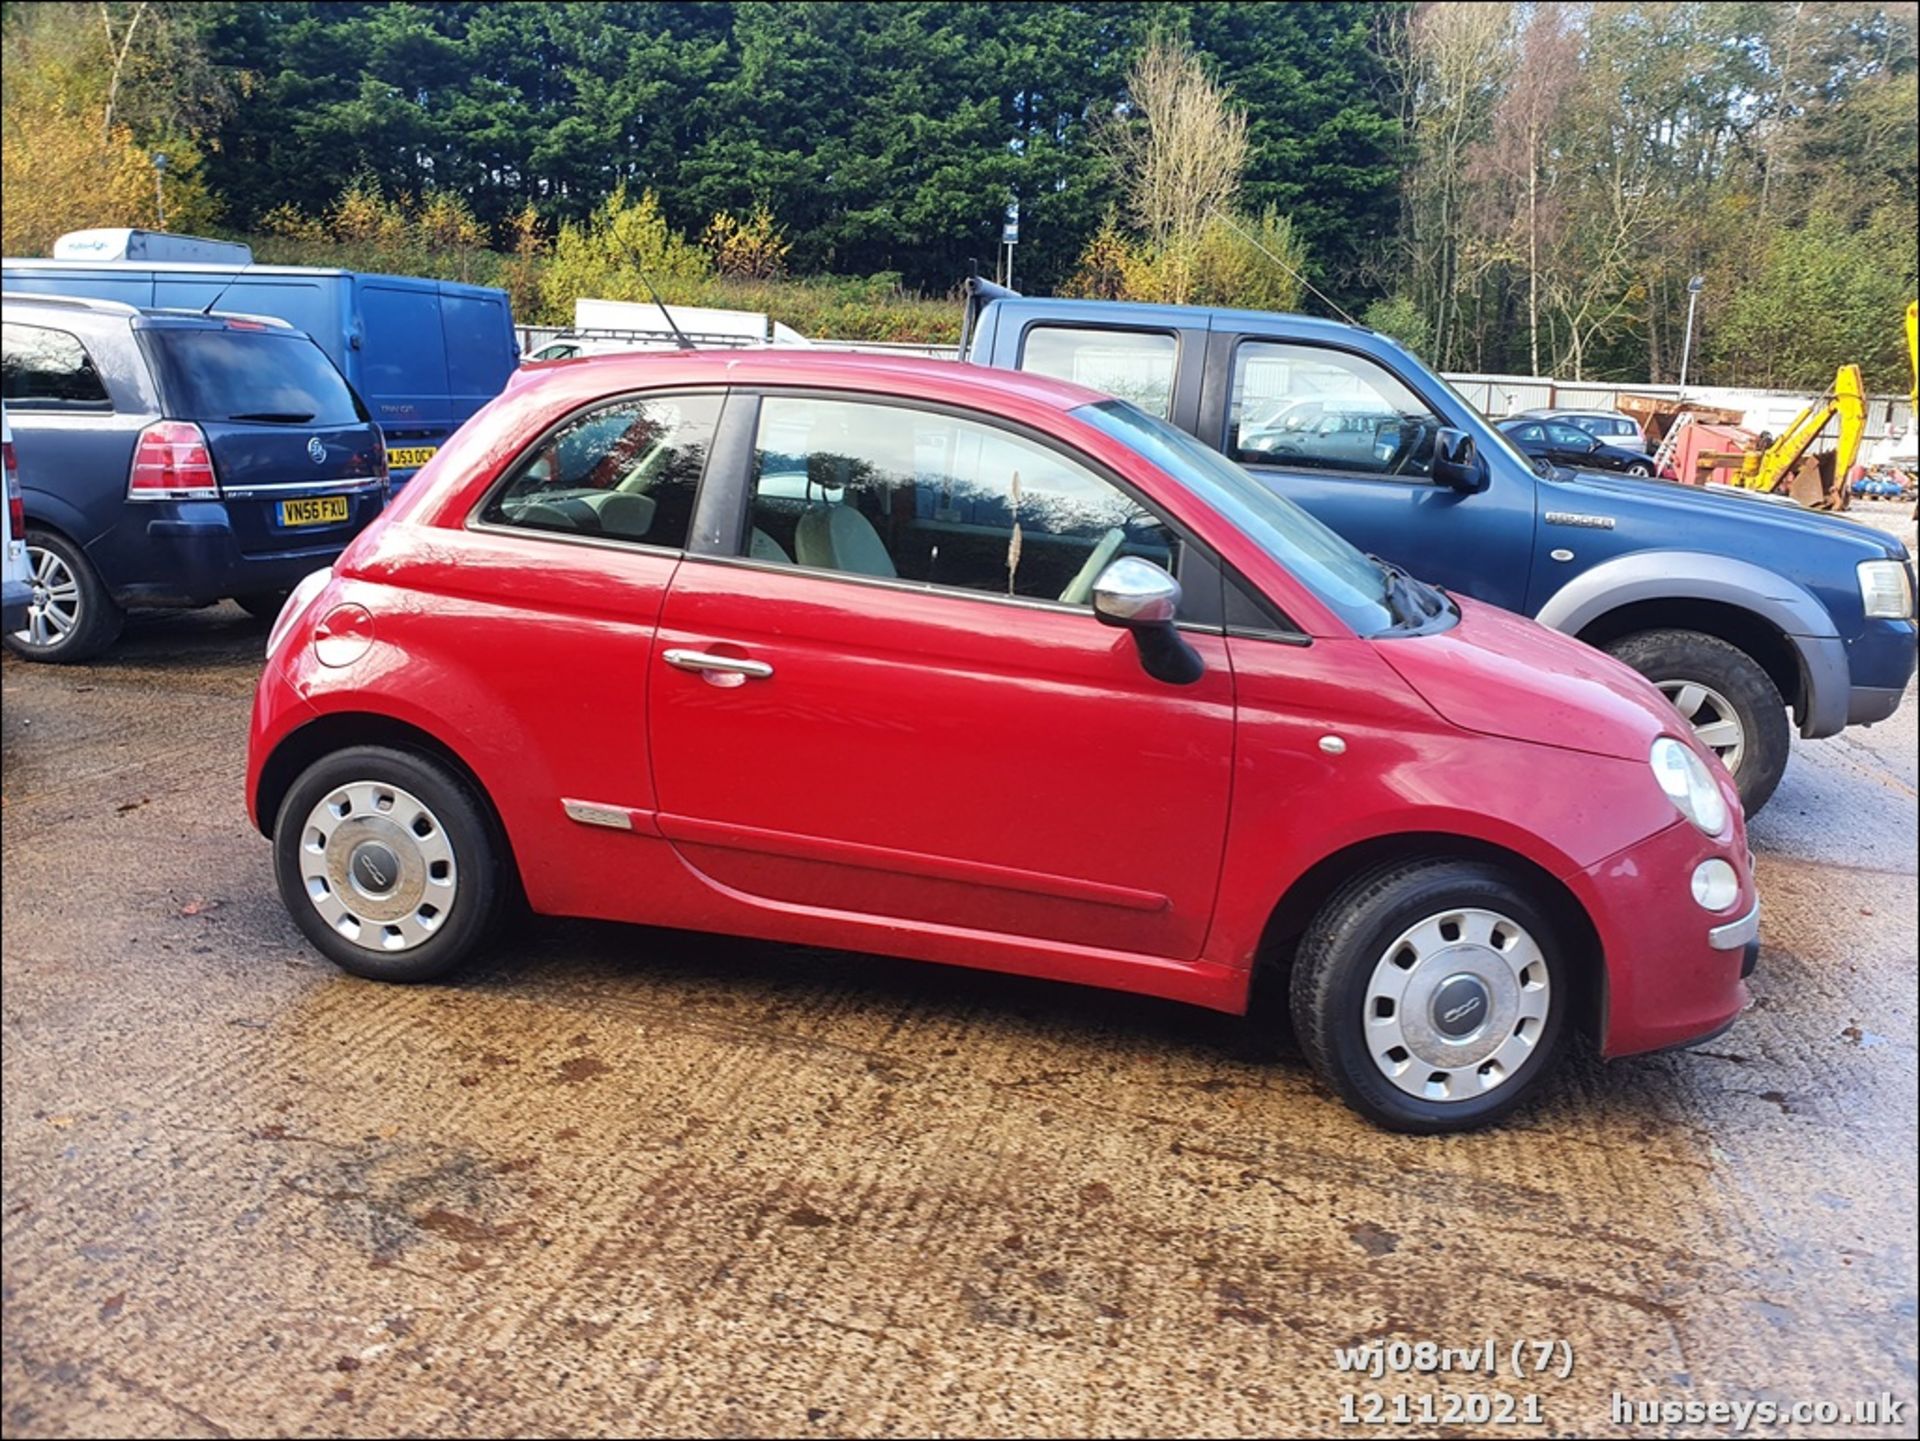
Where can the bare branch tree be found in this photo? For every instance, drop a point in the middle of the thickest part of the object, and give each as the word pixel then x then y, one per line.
pixel 118 50
pixel 1181 153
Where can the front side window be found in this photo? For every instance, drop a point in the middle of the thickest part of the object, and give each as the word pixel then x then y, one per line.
pixel 895 493
pixel 624 471
pixel 44 367
pixel 1347 581
pixel 1133 365
pixel 1319 409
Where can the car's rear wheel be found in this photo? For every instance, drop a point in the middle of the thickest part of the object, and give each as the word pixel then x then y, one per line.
pixel 1432 995
pixel 263 604
pixel 1726 696
pixel 386 861
pixel 71 617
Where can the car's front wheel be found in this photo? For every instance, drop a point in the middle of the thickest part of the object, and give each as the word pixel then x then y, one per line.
pixel 1726 696
pixel 1432 994
pixel 70 616
pixel 386 861
pixel 1639 469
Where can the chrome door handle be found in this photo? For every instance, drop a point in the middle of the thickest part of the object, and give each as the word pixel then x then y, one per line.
pixel 719 665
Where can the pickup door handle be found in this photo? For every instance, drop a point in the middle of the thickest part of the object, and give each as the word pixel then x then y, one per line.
pixel 719 667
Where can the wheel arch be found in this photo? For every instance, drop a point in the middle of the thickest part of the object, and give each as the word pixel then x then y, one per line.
pixel 49 512
pixel 337 730
pixel 1787 631
pixel 1302 900
pixel 1771 648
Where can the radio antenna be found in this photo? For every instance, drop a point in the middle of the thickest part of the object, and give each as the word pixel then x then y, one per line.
pixel 221 294
pixel 679 336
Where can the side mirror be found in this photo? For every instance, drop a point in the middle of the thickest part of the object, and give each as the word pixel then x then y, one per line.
pixel 1137 595
pixel 1456 464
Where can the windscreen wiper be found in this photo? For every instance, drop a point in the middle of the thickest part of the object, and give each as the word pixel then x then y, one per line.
pixel 275 417
pixel 1414 600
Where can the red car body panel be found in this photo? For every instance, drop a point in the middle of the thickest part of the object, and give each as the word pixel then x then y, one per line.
pixel 941 775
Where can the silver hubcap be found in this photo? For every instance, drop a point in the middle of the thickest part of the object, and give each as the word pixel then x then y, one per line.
pixel 1456 1005
pixel 54 610
pixel 1715 722
pixel 378 866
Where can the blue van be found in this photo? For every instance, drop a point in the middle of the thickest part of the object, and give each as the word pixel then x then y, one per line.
pixel 423 354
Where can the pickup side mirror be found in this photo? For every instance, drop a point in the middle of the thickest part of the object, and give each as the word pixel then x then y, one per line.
pixel 1456 464
pixel 1137 595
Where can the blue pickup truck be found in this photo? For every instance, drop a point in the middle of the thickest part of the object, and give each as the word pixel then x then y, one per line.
pixel 1743 609
pixel 423 354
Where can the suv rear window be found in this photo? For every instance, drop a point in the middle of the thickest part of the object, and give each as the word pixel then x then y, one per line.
pixel 250 375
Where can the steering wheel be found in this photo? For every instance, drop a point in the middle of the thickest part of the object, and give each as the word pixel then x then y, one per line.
pixel 1080 589
pixel 1413 438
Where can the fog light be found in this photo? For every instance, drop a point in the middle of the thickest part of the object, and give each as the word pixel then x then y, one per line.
pixel 1716 885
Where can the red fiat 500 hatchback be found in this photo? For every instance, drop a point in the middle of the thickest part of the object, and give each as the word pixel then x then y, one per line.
pixel 973 666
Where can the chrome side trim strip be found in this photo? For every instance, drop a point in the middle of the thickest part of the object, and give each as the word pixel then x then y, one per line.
pixel 591 813
pixel 1735 934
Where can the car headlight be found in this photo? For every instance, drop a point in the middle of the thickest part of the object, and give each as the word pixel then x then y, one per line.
pixel 1689 785
pixel 1886 590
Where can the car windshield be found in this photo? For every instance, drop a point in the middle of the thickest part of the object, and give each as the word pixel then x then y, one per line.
pixel 269 376
pixel 1352 585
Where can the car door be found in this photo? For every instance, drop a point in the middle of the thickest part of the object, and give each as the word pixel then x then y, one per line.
pixel 1379 493
pixel 877 703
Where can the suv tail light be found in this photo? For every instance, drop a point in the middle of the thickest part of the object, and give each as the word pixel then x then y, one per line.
pixel 171 462
pixel 16 502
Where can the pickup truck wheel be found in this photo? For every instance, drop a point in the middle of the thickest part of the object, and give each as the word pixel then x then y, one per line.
pixel 1726 696
pixel 385 860
pixel 1431 994
pixel 71 617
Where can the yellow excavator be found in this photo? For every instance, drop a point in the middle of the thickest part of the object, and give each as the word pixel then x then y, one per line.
pixel 1777 467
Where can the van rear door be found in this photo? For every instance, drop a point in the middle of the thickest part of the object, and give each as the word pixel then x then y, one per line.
pixel 403 368
pixel 297 457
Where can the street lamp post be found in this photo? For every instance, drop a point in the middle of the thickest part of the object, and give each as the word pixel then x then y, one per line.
pixel 1686 348
pixel 159 191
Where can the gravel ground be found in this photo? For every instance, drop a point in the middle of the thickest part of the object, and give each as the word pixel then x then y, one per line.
pixel 623 1180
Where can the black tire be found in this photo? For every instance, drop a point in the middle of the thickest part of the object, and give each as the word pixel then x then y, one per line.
pixel 454 807
pixel 1670 657
pixel 96 619
pixel 1350 937
pixel 1640 470
pixel 263 605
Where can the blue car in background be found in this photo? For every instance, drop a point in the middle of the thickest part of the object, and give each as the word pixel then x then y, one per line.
pixel 423 354
pixel 171 458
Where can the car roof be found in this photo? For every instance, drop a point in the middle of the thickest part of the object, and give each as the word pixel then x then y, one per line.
pixel 91 309
pixel 832 369
pixel 1144 313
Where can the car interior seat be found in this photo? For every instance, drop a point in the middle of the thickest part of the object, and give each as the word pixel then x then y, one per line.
pixel 832 534
pixel 761 546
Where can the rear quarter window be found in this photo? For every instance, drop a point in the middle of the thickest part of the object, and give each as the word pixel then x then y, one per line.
pixel 269 376
pixel 48 368
pixel 1135 365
